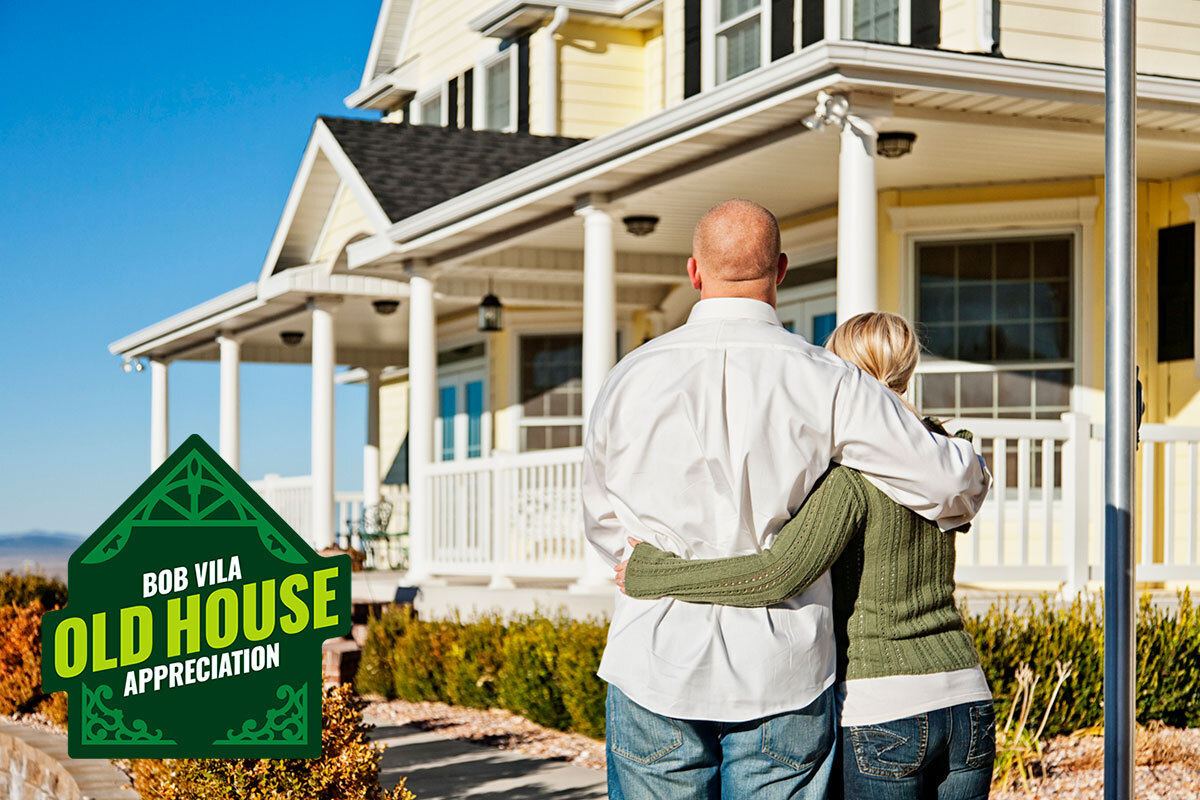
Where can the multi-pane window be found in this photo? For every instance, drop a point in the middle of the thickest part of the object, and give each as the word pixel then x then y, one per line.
pixel 551 391
pixel 429 110
pixel 739 37
pixel 997 315
pixel 497 94
pixel 877 20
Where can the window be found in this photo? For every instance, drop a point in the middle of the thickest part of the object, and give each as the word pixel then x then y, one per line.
pixel 995 319
pixel 429 109
pixel 877 20
pixel 1176 292
pixel 739 33
pixel 497 92
pixel 551 391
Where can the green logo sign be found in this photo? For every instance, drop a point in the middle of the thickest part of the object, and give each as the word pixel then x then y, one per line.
pixel 195 624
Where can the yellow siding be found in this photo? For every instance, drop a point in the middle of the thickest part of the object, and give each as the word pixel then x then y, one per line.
pixel 393 422
pixel 655 70
pixel 346 222
pixel 602 72
pixel 673 49
pixel 960 25
pixel 443 43
pixel 500 356
pixel 1071 31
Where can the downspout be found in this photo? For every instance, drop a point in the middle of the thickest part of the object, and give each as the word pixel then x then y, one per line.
pixel 550 70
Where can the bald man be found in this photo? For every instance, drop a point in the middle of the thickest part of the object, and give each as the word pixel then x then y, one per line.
pixel 704 442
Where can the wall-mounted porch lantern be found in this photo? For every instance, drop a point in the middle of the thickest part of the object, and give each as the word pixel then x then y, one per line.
pixel 385 307
pixel 641 225
pixel 292 338
pixel 894 144
pixel 490 311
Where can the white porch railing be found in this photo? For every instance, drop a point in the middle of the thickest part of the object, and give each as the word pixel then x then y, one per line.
pixel 508 516
pixel 520 515
pixel 291 497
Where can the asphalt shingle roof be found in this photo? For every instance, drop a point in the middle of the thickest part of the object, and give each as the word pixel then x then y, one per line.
pixel 410 168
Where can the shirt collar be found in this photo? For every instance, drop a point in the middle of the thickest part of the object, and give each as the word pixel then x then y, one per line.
pixel 734 308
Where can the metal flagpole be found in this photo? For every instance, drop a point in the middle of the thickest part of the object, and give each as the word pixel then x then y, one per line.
pixel 1120 83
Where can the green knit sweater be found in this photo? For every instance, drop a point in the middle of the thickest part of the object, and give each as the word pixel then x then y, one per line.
pixel 892 571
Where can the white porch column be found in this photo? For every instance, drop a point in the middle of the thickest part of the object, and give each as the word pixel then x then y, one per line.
pixel 371 478
pixel 599 342
pixel 322 423
pixel 159 429
pixel 422 409
pixel 599 298
pixel 857 237
pixel 230 438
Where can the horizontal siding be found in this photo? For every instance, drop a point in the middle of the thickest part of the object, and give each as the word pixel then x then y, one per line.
pixel 1071 31
pixel 673 47
pixel 655 70
pixel 346 222
pixel 443 43
pixel 960 25
pixel 393 422
pixel 603 79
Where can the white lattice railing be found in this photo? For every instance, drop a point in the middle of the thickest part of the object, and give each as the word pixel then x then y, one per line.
pixel 508 516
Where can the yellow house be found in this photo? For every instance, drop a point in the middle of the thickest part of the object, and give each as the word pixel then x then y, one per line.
pixel 939 159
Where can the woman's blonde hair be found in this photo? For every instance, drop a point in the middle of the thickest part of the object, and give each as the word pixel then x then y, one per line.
pixel 882 344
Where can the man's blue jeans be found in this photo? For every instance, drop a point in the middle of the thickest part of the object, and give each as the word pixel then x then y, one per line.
pixel 652 757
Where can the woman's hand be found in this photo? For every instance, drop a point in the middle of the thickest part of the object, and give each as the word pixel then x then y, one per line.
pixel 620 568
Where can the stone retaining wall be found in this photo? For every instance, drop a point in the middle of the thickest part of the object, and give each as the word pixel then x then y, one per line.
pixel 34 766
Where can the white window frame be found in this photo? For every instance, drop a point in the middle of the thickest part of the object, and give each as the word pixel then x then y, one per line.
pixel 903 21
pixel 711 26
pixel 424 97
pixel 480 88
pixel 521 421
pixel 1015 218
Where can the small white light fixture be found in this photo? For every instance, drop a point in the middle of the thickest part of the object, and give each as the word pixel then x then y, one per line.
pixel 831 110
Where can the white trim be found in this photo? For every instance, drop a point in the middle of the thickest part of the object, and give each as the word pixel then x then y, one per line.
pixel 810 242
pixel 424 96
pixel 956 228
pixel 210 312
pixel 994 216
pixel 480 87
pixel 1193 204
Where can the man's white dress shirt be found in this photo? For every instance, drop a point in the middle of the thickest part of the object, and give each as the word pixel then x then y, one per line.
pixel 704 442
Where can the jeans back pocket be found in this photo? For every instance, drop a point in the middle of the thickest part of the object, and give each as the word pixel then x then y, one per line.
pixel 637 733
pixel 983 735
pixel 894 749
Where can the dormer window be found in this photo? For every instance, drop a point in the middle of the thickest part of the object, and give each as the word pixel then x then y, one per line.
pixel 495 100
pixel 431 107
pixel 740 43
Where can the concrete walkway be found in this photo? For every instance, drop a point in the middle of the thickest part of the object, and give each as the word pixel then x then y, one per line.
pixel 447 769
pixel 31 759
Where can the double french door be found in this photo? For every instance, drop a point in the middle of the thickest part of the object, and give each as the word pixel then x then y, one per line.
pixel 462 409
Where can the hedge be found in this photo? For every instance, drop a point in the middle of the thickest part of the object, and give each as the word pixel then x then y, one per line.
pixel 544 667
pixel 24 598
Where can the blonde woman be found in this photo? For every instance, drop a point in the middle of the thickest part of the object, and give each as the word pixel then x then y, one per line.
pixel 917 719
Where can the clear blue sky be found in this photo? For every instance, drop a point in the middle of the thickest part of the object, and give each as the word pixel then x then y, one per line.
pixel 146 150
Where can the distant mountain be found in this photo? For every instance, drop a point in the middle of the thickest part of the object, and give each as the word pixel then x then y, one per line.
pixel 40 551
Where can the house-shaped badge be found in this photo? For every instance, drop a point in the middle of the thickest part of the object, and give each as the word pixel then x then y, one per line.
pixel 194 623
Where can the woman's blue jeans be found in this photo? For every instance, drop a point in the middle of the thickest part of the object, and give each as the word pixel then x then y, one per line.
pixel 939 755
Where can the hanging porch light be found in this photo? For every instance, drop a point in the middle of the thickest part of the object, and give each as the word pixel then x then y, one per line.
pixel 490 312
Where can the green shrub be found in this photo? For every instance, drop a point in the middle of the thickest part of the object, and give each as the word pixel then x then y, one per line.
pixel 25 588
pixel 474 661
pixel 580 646
pixel 1038 633
pixel 348 768
pixel 376 669
pixel 419 660
pixel 528 681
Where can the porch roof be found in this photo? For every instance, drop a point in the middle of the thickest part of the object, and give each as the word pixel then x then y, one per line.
pixel 257 313
pixel 764 108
